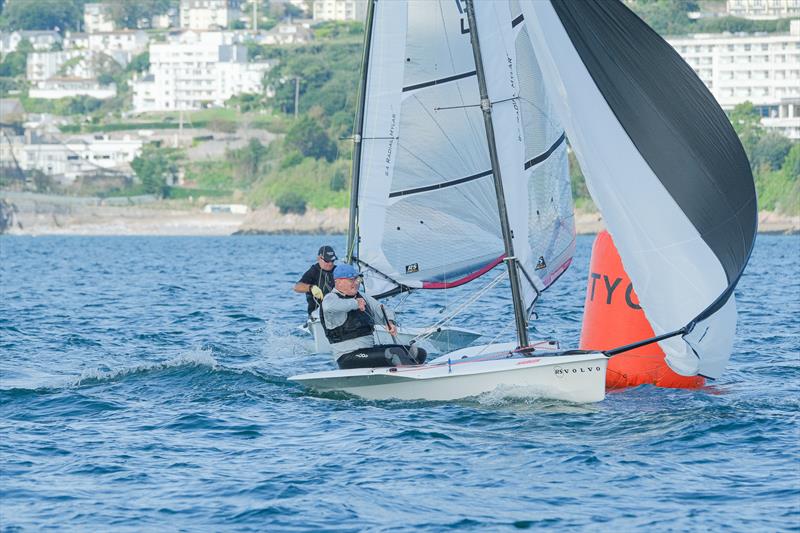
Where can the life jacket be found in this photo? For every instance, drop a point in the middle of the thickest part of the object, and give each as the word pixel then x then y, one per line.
pixel 357 324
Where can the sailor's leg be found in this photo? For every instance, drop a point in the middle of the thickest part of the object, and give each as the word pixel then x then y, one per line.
pixel 401 354
pixel 374 357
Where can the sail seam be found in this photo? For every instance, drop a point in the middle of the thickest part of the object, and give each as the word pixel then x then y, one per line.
pixel 441 185
pixel 539 158
pixel 439 81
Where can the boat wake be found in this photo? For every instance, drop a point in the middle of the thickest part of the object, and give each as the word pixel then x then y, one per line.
pixel 201 358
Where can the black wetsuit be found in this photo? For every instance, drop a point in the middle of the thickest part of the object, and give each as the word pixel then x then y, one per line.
pixel 322 279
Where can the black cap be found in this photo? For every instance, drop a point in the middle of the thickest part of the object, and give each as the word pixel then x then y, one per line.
pixel 326 252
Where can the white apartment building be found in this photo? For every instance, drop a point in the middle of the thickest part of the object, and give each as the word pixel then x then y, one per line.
pixel 763 9
pixel 70 158
pixel 760 68
pixel 209 14
pixel 786 120
pixel 121 45
pixel 97 17
pixel 340 10
pixel 199 69
pixel 56 88
pixel 40 40
pixel 71 63
pixel 76 40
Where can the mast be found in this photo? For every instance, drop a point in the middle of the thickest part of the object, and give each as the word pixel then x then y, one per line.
pixel 358 128
pixel 486 107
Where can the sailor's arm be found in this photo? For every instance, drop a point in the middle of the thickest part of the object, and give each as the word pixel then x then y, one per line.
pixel 375 311
pixel 302 287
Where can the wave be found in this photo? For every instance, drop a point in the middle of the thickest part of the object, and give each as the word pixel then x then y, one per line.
pixel 201 357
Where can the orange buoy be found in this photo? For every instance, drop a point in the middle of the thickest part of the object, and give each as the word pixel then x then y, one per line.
pixel 612 317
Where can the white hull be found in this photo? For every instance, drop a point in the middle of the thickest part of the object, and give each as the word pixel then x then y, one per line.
pixel 442 340
pixel 576 378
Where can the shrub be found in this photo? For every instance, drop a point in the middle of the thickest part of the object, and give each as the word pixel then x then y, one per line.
pixel 291 202
pixel 338 180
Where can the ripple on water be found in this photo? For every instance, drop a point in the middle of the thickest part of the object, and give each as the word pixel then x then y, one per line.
pixel 143 383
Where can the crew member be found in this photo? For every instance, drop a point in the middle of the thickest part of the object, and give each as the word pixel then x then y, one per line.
pixel 349 319
pixel 318 280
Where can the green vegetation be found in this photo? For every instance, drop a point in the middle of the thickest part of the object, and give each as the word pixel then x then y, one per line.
pixel 671 17
pixel 774 159
pixel 14 63
pixel 68 14
pixel 156 167
pixel 42 14
pixel 128 14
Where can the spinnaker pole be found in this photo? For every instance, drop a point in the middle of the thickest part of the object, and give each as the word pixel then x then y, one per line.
pixel 486 107
pixel 358 128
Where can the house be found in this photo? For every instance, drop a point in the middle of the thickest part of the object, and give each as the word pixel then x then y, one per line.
pixel 55 88
pixel 763 9
pixel 40 40
pixel 97 18
pixel 209 14
pixel 340 10
pixel 71 158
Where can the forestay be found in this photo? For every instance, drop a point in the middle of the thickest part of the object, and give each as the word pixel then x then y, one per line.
pixel 427 211
pixel 662 163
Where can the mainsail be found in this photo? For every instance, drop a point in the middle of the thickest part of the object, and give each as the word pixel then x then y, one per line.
pixel 427 215
pixel 662 163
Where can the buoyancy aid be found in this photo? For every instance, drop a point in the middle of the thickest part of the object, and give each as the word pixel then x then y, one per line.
pixel 357 324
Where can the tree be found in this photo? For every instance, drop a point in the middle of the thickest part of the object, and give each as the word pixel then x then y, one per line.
pixel 746 121
pixel 156 167
pixel 770 151
pixel 309 137
pixel 791 163
pixel 127 14
pixel 43 14
pixel 249 159
pixel 140 63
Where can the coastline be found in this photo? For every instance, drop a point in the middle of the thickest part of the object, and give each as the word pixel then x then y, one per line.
pixel 48 215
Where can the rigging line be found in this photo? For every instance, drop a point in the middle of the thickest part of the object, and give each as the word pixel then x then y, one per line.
pixel 474 105
pixel 441 129
pixel 418 158
pixel 553 124
pixel 494 339
pixel 475 133
pixel 360 262
pixel 433 329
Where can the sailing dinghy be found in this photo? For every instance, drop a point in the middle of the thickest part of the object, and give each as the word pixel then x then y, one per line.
pixel 460 165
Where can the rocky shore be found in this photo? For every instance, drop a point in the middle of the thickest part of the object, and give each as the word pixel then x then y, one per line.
pixel 28 214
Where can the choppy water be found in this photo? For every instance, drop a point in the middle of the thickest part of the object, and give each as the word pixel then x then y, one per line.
pixel 143 387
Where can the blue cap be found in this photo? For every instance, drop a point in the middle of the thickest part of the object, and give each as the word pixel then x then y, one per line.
pixel 345 271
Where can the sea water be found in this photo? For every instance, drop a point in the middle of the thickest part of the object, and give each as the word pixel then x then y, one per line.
pixel 143 387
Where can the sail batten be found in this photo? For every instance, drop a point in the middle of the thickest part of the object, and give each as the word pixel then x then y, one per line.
pixel 427 214
pixel 439 81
